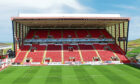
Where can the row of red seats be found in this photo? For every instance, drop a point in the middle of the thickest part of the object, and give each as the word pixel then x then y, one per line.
pixel 55 52
pixel 25 48
pixel 30 34
pixel 71 55
pixel 42 33
pixel 54 56
pixel 56 33
pixel 107 35
pixel 87 52
pixel 20 57
pixel 95 33
pixel 36 56
pixel 39 47
pixel 119 53
pixel 99 46
pixel 82 33
pixel 69 32
pixel 106 55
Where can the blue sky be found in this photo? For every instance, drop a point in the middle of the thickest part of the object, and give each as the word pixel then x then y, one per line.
pixel 127 8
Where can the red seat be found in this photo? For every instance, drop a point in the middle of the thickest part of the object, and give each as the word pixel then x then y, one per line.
pixel 66 33
pixel 95 33
pixel 87 52
pixel 56 33
pixel 20 57
pixel 106 34
pixel 81 33
pixel 68 54
pixel 55 56
pixel 106 55
pixel 36 56
pixel 30 34
pixel 54 52
pixel 24 48
pixel 43 34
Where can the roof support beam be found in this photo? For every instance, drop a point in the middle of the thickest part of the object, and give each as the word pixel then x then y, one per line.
pixel 13 37
pixel 22 34
pixel 124 36
pixel 119 35
pixel 115 33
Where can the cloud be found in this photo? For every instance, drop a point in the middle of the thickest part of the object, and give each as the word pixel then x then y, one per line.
pixel 11 8
pixel 49 6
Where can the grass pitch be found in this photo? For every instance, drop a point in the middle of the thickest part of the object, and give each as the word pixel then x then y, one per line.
pixel 110 74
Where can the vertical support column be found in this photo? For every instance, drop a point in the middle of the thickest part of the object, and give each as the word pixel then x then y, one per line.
pixel 127 36
pixel 123 36
pixel 19 30
pixel 22 34
pixel 115 32
pixel 25 31
pixel 119 35
pixel 13 38
pixel 19 39
pixel 16 29
pixel 111 30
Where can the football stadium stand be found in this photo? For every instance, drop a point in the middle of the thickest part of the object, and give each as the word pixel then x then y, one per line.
pixel 66 39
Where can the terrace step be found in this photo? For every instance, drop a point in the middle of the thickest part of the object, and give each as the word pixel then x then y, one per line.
pixel 80 54
pixel 44 55
pixel 25 57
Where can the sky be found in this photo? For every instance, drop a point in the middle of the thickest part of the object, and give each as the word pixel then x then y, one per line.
pixel 127 8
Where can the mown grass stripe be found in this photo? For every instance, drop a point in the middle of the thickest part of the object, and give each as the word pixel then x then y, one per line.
pixel 40 76
pixel 134 68
pixel 7 72
pixel 128 76
pixel 14 75
pixel 109 74
pixel 55 75
pixel 27 76
pixel 113 77
pixel 129 71
pixel 83 76
pixel 68 75
pixel 97 75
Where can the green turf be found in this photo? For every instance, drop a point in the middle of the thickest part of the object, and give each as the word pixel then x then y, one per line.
pixel 110 74
pixel 134 52
pixel 134 43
